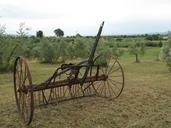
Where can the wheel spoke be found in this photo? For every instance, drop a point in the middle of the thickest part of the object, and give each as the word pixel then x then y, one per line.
pixel 22 106
pixel 102 70
pixel 101 89
pixel 111 67
pixel 19 99
pixel 114 84
pixel 98 85
pixel 108 88
pixel 104 84
pixel 108 63
pixel 25 76
pixel 116 81
pixel 113 91
pixel 116 76
pixel 114 70
pixel 21 72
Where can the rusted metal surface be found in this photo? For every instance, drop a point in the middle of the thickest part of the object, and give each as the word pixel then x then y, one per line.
pixel 91 57
pixel 24 99
pixel 62 83
pixel 67 82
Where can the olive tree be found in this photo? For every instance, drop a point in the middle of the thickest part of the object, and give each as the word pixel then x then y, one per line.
pixel 81 48
pixel 165 53
pixel 136 49
pixel 46 52
pixel 22 31
pixel 7 53
pixel 2 30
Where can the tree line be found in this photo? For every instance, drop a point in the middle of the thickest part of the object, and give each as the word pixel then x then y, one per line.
pixel 59 49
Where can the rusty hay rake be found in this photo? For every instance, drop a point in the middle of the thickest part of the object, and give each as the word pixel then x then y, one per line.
pixel 68 81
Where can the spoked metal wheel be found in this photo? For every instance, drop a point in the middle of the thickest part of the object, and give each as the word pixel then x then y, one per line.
pixel 60 93
pixel 88 88
pixel 113 86
pixel 23 90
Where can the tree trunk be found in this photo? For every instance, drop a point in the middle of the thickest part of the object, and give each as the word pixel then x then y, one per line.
pixel 0 58
pixel 137 60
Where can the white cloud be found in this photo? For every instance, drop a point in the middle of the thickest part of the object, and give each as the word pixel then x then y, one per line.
pixel 84 16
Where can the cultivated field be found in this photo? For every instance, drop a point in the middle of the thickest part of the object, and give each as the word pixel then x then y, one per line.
pixel 144 103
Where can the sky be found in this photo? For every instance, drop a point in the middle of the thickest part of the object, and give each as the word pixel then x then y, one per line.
pixel 85 16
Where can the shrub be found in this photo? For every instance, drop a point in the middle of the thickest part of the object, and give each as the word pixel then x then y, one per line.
pixel 151 44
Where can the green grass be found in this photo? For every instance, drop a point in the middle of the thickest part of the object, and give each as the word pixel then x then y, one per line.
pixel 144 103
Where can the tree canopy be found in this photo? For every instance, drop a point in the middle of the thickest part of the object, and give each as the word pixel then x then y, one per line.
pixel 39 34
pixel 165 53
pixel 58 32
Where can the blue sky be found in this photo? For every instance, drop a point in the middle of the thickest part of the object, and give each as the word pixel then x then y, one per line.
pixel 85 16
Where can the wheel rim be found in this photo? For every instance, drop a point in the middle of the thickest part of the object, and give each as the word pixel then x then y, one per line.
pixel 113 86
pixel 24 99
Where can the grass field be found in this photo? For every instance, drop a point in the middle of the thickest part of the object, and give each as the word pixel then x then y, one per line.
pixel 144 103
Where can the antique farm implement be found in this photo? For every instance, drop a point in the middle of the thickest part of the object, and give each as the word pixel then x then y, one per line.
pixel 87 78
